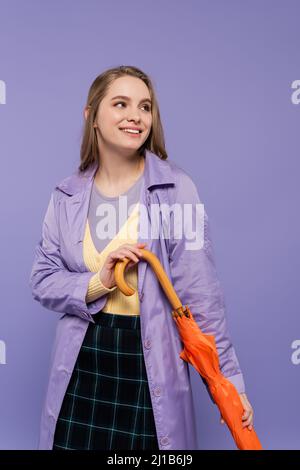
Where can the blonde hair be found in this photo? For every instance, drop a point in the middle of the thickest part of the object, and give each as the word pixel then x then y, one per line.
pixel 155 143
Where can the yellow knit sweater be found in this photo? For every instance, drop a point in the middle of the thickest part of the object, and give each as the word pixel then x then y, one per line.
pixel 116 302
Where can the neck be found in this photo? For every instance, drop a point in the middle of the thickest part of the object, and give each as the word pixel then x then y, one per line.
pixel 116 170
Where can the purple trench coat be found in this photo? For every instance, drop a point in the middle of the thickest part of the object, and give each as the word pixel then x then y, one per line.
pixel 59 280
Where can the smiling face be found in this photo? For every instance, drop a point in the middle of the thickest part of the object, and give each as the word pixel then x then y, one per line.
pixel 127 104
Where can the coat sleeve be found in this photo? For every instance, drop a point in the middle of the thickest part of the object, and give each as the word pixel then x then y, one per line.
pixel 195 278
pixel 52 284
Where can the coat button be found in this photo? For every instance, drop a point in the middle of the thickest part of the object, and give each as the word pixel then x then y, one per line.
pixel 157 391
pixel 52 419
pixel 164 441
pixel 147 343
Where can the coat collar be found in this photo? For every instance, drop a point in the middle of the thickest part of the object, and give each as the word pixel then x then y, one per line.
pixel 157 172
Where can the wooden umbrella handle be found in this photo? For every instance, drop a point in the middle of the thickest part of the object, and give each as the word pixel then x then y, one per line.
pixel 159 271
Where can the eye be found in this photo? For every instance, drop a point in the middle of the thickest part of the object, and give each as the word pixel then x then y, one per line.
pixel 148 107
pixel 145 105
pixel 120 102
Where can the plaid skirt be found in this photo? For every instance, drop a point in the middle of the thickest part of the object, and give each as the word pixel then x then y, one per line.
pixel 107 405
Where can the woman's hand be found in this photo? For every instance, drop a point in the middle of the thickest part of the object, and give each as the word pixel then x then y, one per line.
pixel 247 417
pixel 127 250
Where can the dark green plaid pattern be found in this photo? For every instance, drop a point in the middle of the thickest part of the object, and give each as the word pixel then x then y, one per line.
pixel 107 405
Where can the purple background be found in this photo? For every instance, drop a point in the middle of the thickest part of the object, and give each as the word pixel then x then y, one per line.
pixel 223 73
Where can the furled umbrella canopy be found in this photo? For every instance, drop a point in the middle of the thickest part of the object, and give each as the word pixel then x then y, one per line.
pixel 201 352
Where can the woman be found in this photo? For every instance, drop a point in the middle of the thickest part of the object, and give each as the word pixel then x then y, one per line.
pixel 116 379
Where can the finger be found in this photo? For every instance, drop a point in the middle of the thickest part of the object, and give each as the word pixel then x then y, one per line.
pixel 131 255
pixel 113 258
pixel 248 421
pixel 246 414
pixel 249 426
pixel 120 253
pixel 130 264
pixel 135 250
pixel 114 255
pixel 133 245
pixel 128 254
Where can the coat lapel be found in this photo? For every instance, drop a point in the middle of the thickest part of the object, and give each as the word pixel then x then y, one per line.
pixel 157 173
pixel 78 187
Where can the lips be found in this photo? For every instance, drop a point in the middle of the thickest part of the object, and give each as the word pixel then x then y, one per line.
pixel 131 128
pixel 132 134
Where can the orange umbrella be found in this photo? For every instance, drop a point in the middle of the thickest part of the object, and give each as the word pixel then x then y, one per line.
pixel 201 352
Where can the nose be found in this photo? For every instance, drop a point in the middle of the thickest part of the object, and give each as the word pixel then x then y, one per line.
pixel 135 119
pixel 134 116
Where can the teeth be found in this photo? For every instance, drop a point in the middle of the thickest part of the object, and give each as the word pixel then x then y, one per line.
pixel 131 130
